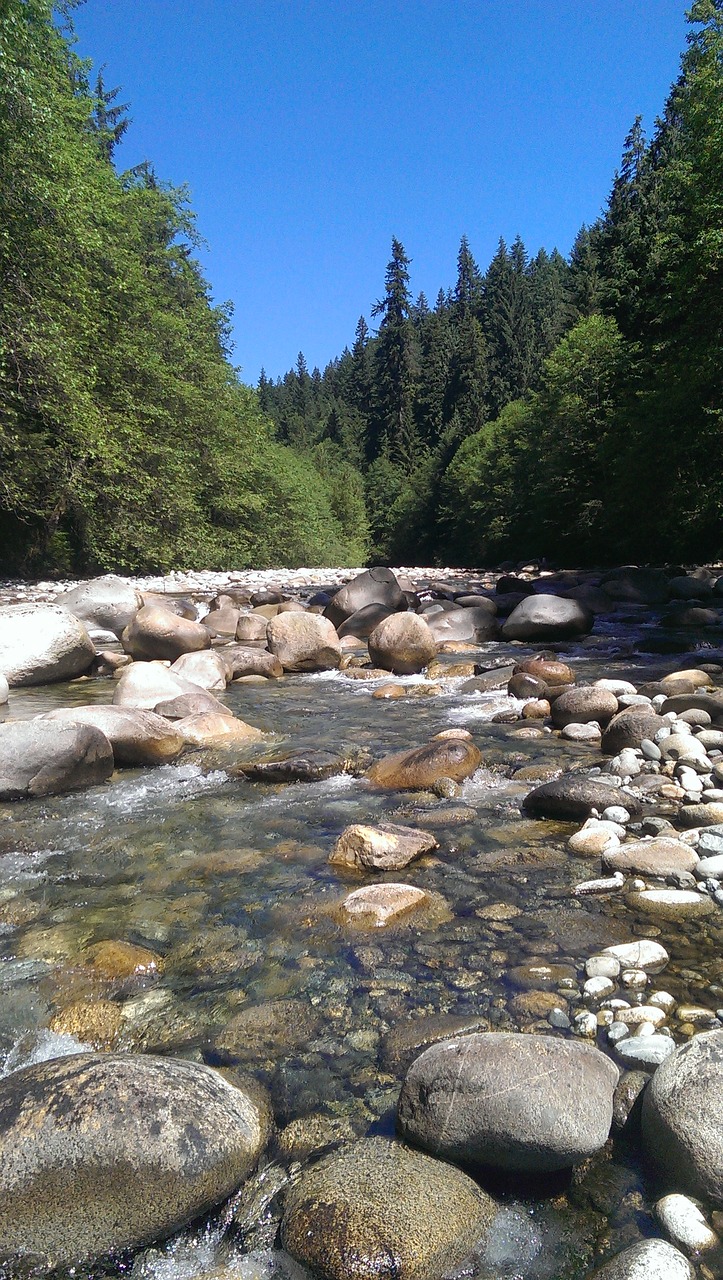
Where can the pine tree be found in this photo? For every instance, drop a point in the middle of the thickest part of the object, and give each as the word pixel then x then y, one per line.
pixel 395 365
pixel 109 122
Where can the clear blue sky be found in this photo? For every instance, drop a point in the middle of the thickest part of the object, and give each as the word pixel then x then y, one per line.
pixel 312 131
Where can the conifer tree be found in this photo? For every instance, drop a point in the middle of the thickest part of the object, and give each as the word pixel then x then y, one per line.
pixel 395 364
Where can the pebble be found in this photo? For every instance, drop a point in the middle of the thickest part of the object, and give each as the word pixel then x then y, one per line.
pixel 598 988
pixel 644 954
pixel 617 1031
pixel 602 967
pixel 640 1013
pixel 645 1052
pixel 650 750
pixel 662 1000
pixel 615 813
pixel 683 1219
pixel 559 1019
pixel 585 1024
pixel 635 979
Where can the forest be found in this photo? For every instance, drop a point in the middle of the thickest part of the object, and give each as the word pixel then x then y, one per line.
pixel 566 408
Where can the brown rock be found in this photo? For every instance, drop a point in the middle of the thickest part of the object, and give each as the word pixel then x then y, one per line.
pixel 421 767
pixel 582 705
pixel 379 904
pixel 155 633
pixel 94 1022
pixel 387 847
pixel 659 857
pixel 304 642
pixel 402 643
pixel 118 960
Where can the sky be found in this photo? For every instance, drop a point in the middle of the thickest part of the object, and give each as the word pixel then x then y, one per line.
pixel 310 132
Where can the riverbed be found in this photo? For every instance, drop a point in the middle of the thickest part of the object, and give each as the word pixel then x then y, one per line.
pixel 228 882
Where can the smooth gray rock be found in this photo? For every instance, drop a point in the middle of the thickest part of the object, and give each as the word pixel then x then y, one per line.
pixel 41 644
pixel 376 1209
pixel 363 622
pixel 584 704
pixel 303 642
pixel 137 737
pixel 106 1152
pixel 683 1117
pixel 648 1260
pixel 511 1101
pixel 108 603
pixel 376 586
pixel 547 618
pixel 629 728
pixel 402 643
pixel 573 796
pixel 474 624
pixel 46 758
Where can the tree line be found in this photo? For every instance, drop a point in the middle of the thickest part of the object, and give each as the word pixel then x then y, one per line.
pixel 568 408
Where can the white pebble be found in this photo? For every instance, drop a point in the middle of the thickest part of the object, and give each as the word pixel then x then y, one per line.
pixel 685 1223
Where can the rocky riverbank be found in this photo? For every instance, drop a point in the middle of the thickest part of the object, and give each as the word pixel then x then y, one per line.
pixel 619 816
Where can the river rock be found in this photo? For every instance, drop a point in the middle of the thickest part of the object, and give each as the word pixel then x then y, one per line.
pixel 222 623
pixel 596 837
pixel 376 586
pixel 137 737
pixel 42 643
pixel 117 960
pixel 250 662
pixel 147 685
pixel 512 1101
pixel 477 625
pixel 376 1209
pixel 406 1040
pixel 422 767
pixel 683 1117
pixel 644 954
pixel 307 766
pixel 379 904
pixel 573 796
pixel 388 847
pixel 701 815
pixel 547 617
pixel 672 904
pixel 100 1153
pixel 304 642
pixel 269 1029
pixel 644 1052
pixel 402 643
pixel 684 1221
pixel 657 857
pixel 252 627
pixel 647 1260
pixel 583 704
pixel 635 585
pixel 108 603
pixel 4 690
pixel 364 621
pixel 549 670
pixel 155 633
pixel 46 758
pixel 209 729
pixel 207 669
pixel 710 702
pixel 629 728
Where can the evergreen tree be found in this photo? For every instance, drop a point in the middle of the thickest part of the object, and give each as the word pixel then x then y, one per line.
pixel 394 428
pixel 108 120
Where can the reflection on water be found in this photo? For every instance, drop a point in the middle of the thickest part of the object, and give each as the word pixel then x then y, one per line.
pixel 227 881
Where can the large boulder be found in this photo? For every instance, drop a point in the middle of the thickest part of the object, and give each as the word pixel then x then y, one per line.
pixel 633 585
pixel 582 705
pixel 683 1118
pixel 376 1209
pixel 100 1153
pixel 107 603
pixel 43 758
pixel 444 757
pixel 242 661
pixel 148 685
pixel 303 642
pixel 658 857
pixel 647 1260
pixel 156 633
pixel 137 737
pixel 629 728
pixel 402 643
pixel 476 624
pixel 573 796
pixel 42 643
pixel 547 618
pixel 363 622
pixel 206 669
pixel 376 586
pixel 532 1104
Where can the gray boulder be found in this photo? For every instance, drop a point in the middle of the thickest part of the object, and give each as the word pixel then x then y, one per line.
pixel 364 621
pixel 647 1260
pixel 4 690
pixel 402 643
pixel 148 685
pixel 683 1117
pixel 156 633
pixel 303 642
pixel 516 1102
pixel 547 618
pixel 582 705
pixel 44 758
pixel 106 1152
pixel 573 796
pixel 474 624
pixel 629 728
pixel 42 643
pixel 108 603
pixel 376 586
pixel 207 669
pixel 243 661
pixel 376 1209
pixel 137 737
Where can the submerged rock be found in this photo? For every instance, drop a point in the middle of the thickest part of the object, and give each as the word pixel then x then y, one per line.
pixel 515 1102
pixel 379 904
pixel 647 1260
pixel 306 766
pixel 377 1210
pixel 100 1153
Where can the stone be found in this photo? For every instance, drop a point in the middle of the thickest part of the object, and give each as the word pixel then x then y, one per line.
pixel 657 857
pixel 46 758
pixel 108 603
pixel 683 1220
pixel 602 966
pixel 547 617
pixel 682 1118
pixel 633 585
pixel 42 643
pixel 595 837
pixel 155 633
pixel 710 702
pixel 310 1134
pixel 422 767
pixel 148 685
pixel 628 729
pixel 627 1100
pixel 105 1152
pixel 376 1208
pixel 596 988
pixel 208 670
pixel 532 1104
pixel 94 1022
pixel 549 670
pixel 376 586
pixel 364 621
pixel 644 954
pixel 209 729
pixel 137 737
pixel 574 796
pixel 387 847
pixel 4 690
pixel 474 624
pixel 534 1004
pixel 309 766
pixel 647 1260
pixel 242 661
pixel 523 685
pixel 540 974
pixel 672 904
pixel 644 1053
pixel 251 627
pixel 701 815
pixel 269 1029
pixel 582 705
pixel 379 904
pixel 304 642
pixel 581 732
pixel 710 841
pixel 406 1040
pixel 222 623
pixel 118 960
pixel 403 644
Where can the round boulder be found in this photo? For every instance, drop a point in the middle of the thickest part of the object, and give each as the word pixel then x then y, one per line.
pixel 100 1153
pixel 208 670
pixel 376 586
pixel 45 758
pixel 532 1104
pixel 546 617
pixel 683 1117
pixel 402 643
pixel 157 633
pixel 304 642
pixel 629 728
pixel 476 625
pixel 376 1209
pixel 421 767
pixel 573 797
pixel 42 643
pixel 108 603
pixel 148 685
pixel 582 705
pixel 137 737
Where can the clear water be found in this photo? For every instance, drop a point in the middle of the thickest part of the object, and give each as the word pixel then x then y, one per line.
pixel 228 881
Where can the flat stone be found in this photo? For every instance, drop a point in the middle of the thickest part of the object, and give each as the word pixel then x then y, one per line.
pixel 684 1221
pixel 420 768
pixel 645 1053
pixel 672 904
pixel 381 903
pixel 657 857
pixel 643 954
pixel 387 847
